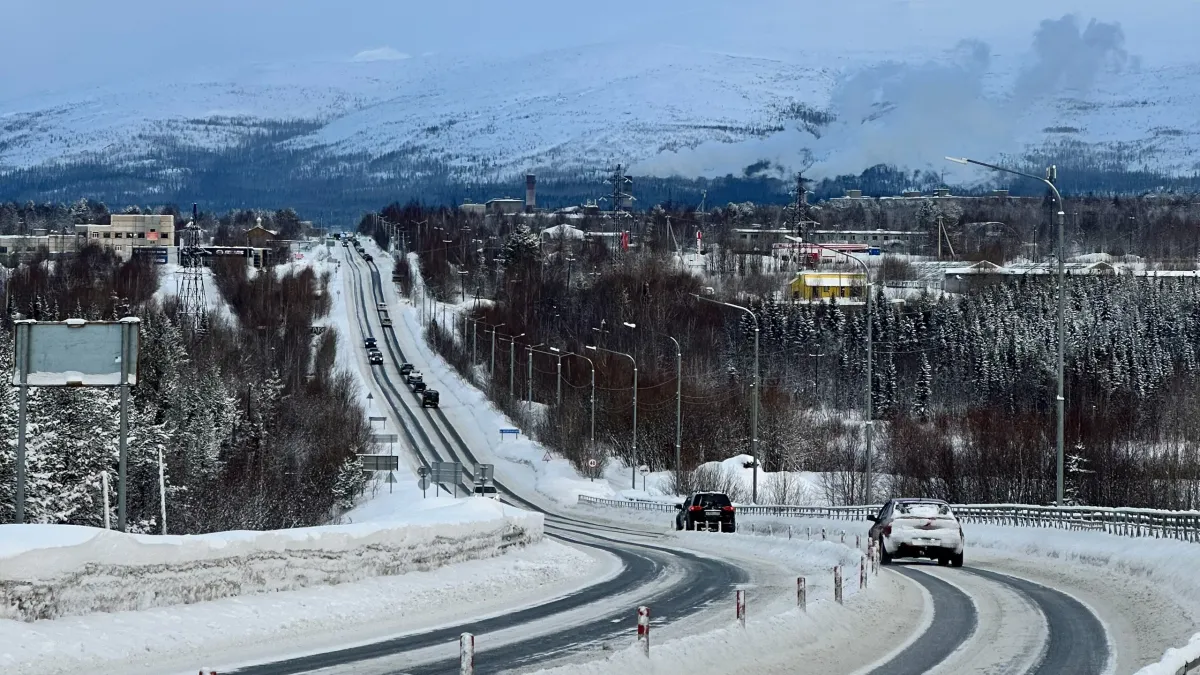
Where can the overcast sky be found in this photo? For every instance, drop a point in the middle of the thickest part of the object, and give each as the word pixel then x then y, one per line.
pixel 67 44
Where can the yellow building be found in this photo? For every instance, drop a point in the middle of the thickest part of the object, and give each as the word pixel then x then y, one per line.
pixel 821 285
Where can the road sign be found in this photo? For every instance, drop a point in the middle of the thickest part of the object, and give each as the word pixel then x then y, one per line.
pixel 375 419
pixel 384 438
pixel 547 457
pixel 592 463
pixel 391 478
pixel 484 474
pixel 423 471
pixel 447 473
pixel 643 469
pixel 423 482
pixel 380 462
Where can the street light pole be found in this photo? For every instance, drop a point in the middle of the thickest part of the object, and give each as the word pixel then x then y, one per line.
pixel 868 404
pixel 593 368
pixel 755 387
pixel 634 462
pixel 492 374
pixel 1060 400
pixel 678 395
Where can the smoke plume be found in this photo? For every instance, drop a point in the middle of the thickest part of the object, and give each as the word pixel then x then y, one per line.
pixel 913 115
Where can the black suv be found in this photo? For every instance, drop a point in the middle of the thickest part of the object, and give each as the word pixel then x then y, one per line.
pixel 406 368
pixel 369 342
pixel 418 386
pixel 706 511
pixel 429 398
pixel 375 357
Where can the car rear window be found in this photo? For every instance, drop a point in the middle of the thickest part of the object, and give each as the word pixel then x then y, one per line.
pixel 710 500
pixel 923 510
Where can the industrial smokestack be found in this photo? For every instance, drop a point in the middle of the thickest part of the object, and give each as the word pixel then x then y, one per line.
pixel 530 192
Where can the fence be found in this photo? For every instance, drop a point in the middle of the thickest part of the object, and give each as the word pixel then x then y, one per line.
pixel 1182 525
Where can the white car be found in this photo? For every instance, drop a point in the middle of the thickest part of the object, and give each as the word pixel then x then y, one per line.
pixel 918 528
pixel 487 491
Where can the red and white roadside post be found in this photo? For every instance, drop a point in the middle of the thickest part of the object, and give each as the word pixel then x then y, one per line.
pixel 837 584
pixel 643 625
pixel 858 541
pixel 862 573
pixel 801 594
pixel 823 537
pixel 466 654
pixel 740 598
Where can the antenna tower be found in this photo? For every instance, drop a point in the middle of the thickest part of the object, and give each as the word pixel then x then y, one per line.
pixel 190 279
pixel 800 222
pixel 620 182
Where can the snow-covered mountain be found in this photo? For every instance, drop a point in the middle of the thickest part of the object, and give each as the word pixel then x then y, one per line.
pixel 1076 93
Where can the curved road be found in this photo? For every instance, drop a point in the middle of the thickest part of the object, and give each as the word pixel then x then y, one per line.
pixel 1075 642
pixel 702 581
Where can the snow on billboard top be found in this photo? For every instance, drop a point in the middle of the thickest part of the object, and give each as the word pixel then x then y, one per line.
pixel 76 353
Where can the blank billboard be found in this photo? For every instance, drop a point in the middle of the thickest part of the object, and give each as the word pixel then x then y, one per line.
pixel 76 353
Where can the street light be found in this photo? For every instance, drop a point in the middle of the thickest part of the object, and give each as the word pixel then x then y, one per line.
pixel 634 362
pixel 512 361
pixel 1060 401
pixel 678 393
pixel 492 372
pixel 869 430
pixel 754 410
pixel 593 366
pixel 529 378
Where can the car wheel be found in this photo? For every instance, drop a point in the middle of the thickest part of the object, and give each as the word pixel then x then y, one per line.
pixel 943 561
pixel 885 558
pixel 956 560
pixel 729 528
pixel 691 524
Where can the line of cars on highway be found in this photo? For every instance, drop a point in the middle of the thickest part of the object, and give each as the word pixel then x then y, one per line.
pixel 412 379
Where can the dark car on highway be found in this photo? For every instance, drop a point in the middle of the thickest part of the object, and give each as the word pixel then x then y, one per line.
pixel 369 343
pixel 375 357
pixel 418 386
pixel 429 398
pixel 706 511
pixel 406 368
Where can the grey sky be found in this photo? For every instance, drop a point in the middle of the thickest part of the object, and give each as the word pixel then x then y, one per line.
pixel 67 44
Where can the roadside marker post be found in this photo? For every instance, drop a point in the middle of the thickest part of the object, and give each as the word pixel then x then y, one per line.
pixel 643 628
pixel 801 594
pixel 862 573
pixel 837 584
pixel 466 654
pixel 740 598
pixel 858 541
pixel 823 537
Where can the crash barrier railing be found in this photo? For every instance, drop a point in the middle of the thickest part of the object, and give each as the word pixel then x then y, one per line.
pixel 1183 525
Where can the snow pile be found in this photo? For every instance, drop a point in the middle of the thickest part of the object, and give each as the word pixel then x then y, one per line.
pixel 1175 660
pixel 733 476
pixel 563 231
pixel 50 571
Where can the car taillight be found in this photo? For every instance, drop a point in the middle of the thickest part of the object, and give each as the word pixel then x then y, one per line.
pixel 887 530
pixel 696 508
pixel 727 508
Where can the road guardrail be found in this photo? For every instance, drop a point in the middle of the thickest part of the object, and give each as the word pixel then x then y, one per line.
pixel 1129 522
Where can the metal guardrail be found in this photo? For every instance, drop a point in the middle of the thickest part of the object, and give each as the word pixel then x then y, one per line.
pixel 1182 525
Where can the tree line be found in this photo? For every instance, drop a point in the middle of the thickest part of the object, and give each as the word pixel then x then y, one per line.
pixel 256 426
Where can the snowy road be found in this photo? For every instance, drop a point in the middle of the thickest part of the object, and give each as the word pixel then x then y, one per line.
pixel 963 621
pixel 678 583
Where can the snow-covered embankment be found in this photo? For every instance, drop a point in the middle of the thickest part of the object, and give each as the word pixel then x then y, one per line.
pixel 51 571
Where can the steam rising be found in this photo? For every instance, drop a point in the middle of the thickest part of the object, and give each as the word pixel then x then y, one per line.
pixel 913 115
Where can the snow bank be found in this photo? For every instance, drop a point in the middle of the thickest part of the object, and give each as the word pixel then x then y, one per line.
pixel 798 488
pixel 1175 661
pixel 50 571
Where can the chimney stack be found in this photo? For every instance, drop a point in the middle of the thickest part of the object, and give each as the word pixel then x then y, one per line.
pixel 530 192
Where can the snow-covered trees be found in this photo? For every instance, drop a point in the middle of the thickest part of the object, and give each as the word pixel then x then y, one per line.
pixel 247 440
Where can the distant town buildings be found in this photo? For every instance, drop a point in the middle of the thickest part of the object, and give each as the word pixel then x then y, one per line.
pixel 127 232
